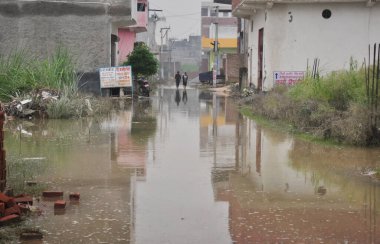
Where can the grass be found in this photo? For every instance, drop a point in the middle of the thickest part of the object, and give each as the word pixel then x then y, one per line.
pixel 20 73
pixel 331 108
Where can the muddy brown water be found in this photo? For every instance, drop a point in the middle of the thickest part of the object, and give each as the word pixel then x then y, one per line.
pixel 186 167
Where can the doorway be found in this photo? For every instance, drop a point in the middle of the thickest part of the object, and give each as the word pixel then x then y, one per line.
pixel 260 59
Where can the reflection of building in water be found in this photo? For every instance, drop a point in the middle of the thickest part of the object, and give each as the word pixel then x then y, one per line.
pixel 272 201
pixel 217 129
pixel 125 151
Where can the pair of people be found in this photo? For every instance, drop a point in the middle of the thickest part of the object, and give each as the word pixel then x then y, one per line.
pixel 178 78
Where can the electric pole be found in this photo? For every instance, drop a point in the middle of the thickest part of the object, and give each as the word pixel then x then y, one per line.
pixel 216 46
pixel 163 35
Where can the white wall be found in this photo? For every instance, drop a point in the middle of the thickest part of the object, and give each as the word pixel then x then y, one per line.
pixel 288 45
pixel 253 39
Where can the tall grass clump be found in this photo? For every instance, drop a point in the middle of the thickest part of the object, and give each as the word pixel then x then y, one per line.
pixel 20 73
pixel 333 107
pixel 339 89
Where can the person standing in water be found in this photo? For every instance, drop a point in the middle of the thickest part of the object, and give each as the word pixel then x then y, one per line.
pixel 177 79
pixel 184 80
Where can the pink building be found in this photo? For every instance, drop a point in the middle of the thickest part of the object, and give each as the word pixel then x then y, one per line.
pixel 127 35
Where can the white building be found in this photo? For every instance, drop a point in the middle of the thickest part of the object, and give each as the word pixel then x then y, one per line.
pixel 283 37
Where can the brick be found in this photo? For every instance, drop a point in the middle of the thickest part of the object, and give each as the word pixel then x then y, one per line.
pixel 52 193
pixel 4 198
pixel 60 204
pixel 25 200
pixel 13 210
pixel 2 208
pixel 9 219
pixel 74 196
pixel 10 203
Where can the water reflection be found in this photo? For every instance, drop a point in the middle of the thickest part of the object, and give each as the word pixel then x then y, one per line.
pixel 184 96
pixel 298 191
pixel 177 97
pixel 191 169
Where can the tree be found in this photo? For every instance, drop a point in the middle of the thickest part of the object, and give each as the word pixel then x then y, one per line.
pixel 142 61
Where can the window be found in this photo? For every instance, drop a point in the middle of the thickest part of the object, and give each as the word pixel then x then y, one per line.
pixel 326 13
pixel 204 12
pixel 226 14
pixel 213 13
pixel 140 7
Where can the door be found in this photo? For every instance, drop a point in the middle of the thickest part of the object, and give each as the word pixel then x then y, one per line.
pixel 260 59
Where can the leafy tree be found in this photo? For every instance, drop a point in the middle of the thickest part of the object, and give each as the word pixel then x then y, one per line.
pixel 142 61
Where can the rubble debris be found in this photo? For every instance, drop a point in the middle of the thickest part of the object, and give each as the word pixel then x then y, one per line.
pixel 35 104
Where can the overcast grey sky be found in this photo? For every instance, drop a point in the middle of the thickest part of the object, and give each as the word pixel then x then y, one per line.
pixel 183 16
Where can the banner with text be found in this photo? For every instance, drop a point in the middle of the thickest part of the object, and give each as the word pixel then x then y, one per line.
pixel 116 77
pixel 287 77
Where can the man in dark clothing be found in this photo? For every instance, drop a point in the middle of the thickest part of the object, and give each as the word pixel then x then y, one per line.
pixel 177 79
pixel 184 79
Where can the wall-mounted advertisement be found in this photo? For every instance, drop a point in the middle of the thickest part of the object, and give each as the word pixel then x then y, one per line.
pixel 288 77
pixel 116 77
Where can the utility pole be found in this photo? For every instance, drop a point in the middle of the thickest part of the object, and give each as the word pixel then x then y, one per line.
pixel 165 29
pixel 216 46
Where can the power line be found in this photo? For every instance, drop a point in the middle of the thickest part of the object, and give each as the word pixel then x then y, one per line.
pixel 181 15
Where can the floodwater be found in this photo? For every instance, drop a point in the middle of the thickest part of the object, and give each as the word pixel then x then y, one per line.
pixel 185 167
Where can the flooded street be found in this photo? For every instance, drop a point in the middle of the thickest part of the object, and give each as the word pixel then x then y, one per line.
pixel 186 167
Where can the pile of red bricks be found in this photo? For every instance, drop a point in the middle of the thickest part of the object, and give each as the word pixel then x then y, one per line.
pixel 11 208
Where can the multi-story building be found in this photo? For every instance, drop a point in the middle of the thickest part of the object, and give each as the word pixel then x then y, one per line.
pixel 97 33
pixel 217 25
pixel 128 34
pixel 281 39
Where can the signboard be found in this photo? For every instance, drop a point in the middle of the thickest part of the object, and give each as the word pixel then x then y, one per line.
pixel 287 77
pixel 116 77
